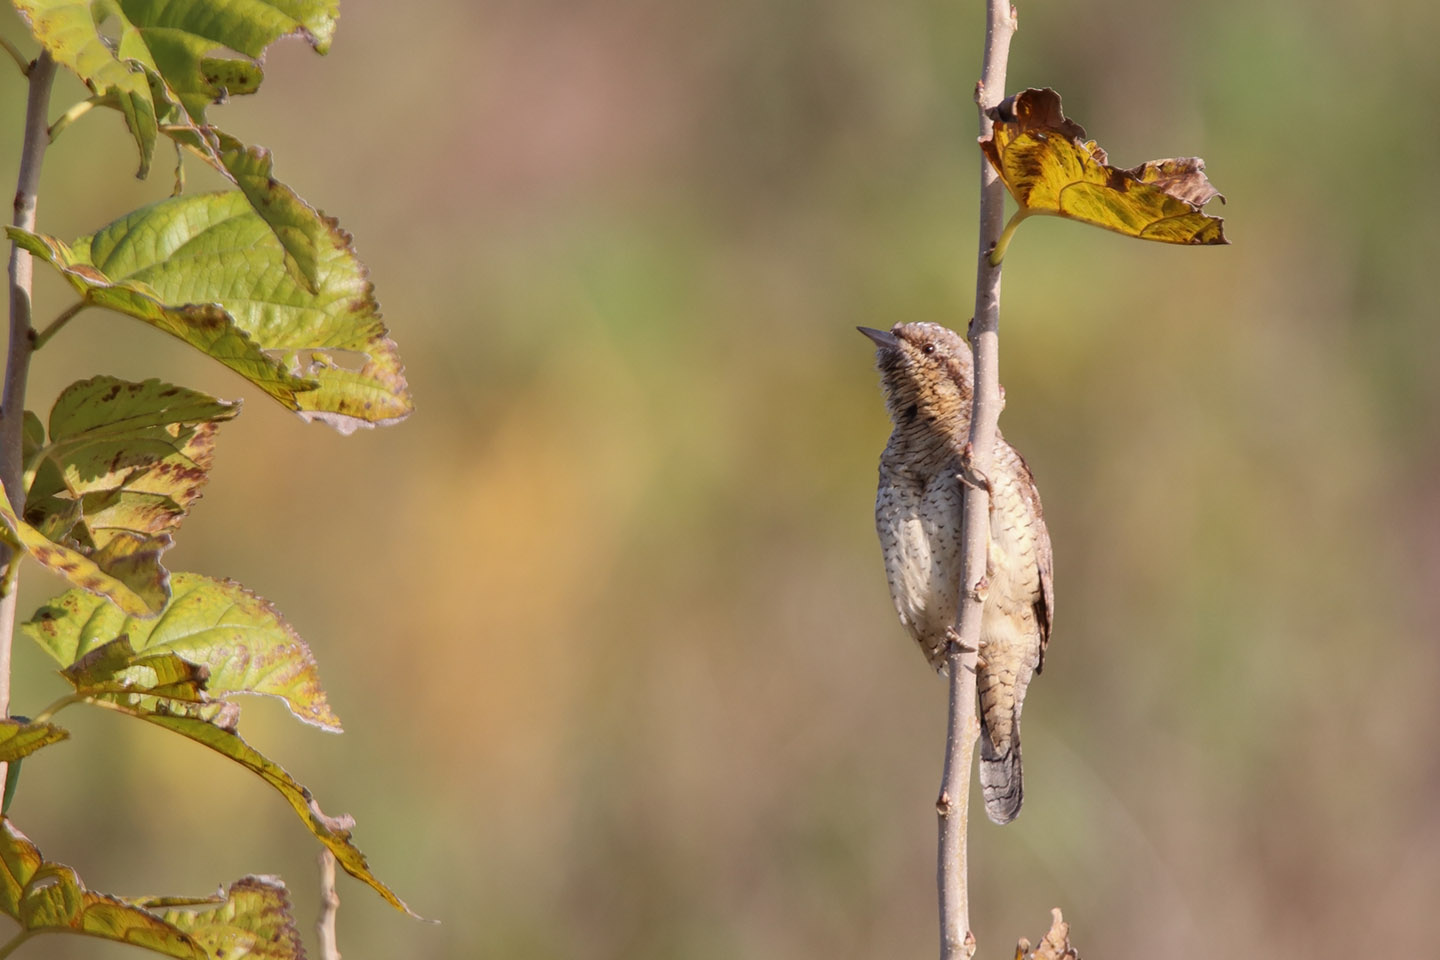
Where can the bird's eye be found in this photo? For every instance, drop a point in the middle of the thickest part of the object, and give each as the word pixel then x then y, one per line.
pixel 929 348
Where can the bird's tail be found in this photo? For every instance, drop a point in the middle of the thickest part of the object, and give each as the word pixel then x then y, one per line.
pixel 1001 780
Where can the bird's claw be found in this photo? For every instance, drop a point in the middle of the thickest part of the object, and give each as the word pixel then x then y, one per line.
pixel 968 475
pixel 953 636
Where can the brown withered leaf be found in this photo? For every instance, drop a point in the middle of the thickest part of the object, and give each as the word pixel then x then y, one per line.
pixel 1054 946
pixel 1050 168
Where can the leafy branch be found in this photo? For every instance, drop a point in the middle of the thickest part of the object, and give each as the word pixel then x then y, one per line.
pixel 40 74
pixel 267 286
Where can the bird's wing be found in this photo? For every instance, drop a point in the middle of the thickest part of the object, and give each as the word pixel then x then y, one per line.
pixel 1044 556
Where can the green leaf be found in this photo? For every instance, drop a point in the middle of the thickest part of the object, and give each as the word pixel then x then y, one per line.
pixel 205 326
pixel 46 897
pixel 299 227
pixel 253 919
pixel 115 677
pixel 33 436
pixel 207 268
pixel 216 731
pixel 124 463
pixel 69 563
pixel 20 738
pixel 242 640
pixel 69 30
pixel 237 78
pixel 177 39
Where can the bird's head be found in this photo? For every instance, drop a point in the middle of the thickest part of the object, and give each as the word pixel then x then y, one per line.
pixel 927 373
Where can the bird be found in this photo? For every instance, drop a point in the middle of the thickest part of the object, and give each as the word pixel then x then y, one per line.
pixel 927 374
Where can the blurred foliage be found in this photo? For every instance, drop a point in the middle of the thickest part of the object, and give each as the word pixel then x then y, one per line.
pixel 607 621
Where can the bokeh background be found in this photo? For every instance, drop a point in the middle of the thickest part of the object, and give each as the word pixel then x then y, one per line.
pixel 606 620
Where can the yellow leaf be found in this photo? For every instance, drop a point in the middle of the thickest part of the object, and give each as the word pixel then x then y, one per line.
pixel 252 919
pixel 1050 168
pixel 76 567
pixel 47 897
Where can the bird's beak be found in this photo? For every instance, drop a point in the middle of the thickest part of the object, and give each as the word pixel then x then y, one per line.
pixel 883 339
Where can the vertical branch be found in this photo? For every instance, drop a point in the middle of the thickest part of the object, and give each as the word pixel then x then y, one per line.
pixel 329 904
pixel 17 365
pixel 956 942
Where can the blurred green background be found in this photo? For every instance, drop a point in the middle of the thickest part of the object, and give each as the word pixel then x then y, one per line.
pixel 606 620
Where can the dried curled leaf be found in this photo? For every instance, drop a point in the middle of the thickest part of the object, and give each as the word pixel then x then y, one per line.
pixel 1054 946
pixel 1050 168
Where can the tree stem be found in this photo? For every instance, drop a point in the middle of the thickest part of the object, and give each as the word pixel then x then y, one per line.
pixel 956 941
pixel 17 363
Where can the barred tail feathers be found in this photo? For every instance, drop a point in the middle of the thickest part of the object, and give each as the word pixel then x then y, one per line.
pixel 1002 782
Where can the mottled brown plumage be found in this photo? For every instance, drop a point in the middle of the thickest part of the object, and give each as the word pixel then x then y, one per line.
pixel 927 373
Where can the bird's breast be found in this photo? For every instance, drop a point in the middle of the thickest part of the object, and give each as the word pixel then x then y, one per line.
pixel 918 520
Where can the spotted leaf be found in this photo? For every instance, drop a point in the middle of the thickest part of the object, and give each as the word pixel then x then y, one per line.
pixel 47 897
pixel 241 640
pixel 1050 168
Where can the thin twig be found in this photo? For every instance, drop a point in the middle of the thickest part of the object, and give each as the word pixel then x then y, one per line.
pixel 55 326
pixel 14 943
pixel 17 56
pixel 1003 243
pixel 75 113
pixel 953 806
pixel 70 698
pixel 329 903
pixel 17 364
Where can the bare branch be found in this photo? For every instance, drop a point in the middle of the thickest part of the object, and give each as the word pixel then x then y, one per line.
pixel 329 904
pixel 956 941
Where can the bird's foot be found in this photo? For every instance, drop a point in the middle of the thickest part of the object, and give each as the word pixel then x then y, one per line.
pixel 968 475
pixel 980 662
